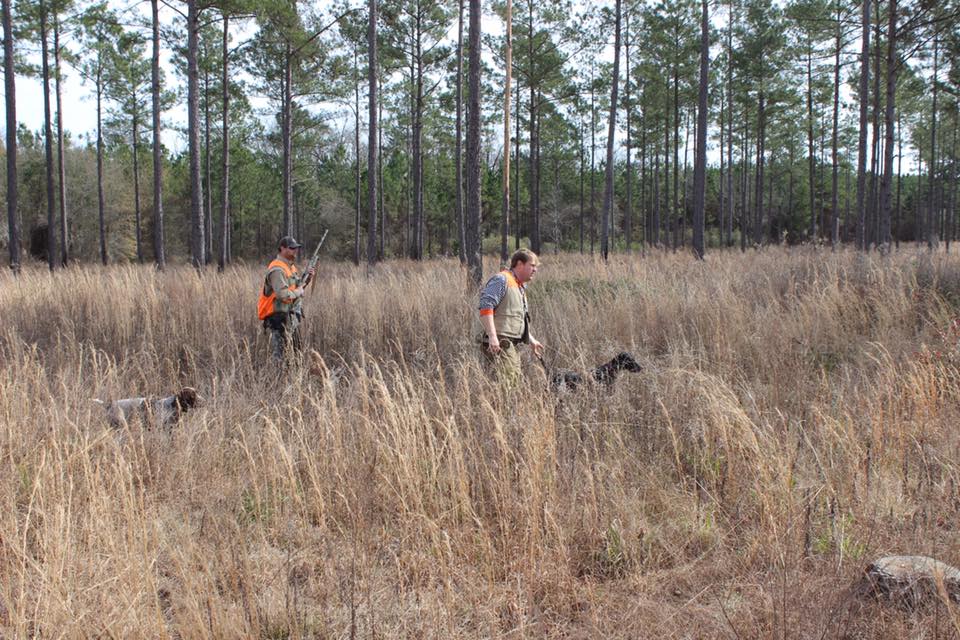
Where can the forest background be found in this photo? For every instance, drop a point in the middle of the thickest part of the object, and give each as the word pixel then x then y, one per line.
pixel 826 122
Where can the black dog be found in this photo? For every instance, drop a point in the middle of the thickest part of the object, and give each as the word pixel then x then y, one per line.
pixel 604 374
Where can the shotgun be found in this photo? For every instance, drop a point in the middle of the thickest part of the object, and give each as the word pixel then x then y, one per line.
pixel 315 258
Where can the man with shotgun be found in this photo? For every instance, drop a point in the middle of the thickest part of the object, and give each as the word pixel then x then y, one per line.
pixel 281 297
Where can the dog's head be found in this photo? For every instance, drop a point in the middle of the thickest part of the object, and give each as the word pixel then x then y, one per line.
pixel 188 398
pixel 624 361
pixel 565 379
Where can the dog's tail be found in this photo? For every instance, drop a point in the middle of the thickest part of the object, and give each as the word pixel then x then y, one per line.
pixel 99 402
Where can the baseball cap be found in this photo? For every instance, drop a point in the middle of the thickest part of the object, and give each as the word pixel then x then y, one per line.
pixel 289 242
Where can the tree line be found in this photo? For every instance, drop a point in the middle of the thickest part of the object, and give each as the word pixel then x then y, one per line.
pixel 620 127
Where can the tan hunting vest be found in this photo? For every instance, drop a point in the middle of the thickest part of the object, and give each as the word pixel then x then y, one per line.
pixel 509 316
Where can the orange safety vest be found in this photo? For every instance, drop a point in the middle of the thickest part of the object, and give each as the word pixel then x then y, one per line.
pixel 268 304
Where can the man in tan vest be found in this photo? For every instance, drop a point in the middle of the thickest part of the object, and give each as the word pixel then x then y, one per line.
pixel 505 317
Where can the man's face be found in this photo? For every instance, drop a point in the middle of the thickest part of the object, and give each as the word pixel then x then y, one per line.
pixel 288 254
pixel 525 271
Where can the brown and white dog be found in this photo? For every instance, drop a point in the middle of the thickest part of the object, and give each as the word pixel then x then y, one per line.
pixel 158 412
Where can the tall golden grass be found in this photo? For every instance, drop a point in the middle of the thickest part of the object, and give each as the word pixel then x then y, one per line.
pixel 796 417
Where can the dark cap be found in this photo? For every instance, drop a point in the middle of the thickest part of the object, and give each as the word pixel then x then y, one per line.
pixel 289 242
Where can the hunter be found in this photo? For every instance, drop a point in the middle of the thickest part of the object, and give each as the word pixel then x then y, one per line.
pixel 281 298
pixel 505 317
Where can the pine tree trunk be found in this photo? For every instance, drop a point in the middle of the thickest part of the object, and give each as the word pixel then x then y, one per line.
pixel 48 142
pixel 461 229
pixel 207 180
pixel 101 204
pixel 9 83
pixel 611 131
pixel 886 184
pixel 534 138
pixel 136 182
pixel 932 179
pixel 418 222
pixel 655 224
pixel 628 213
pixel 835 177
pixel 356 154
pixel 582 193
pixel 61 168
pixel 761 153
pixel 873 209
pixel 508 66
pixel 473 147
pixel 197 236
pixel 286 125
pixel 700 170
pixel 675 200
pixel 372 134
pixel 159 249
pixel 862 139
pixel 225 150
pixel 899 178
pixel 593 164
pixel 811 163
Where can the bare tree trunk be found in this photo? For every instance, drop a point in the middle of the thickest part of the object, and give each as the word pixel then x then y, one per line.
pixel 811 178
pixel 534 138
pixel 356 154
pixel 208 179
pixel 61 169
pixel 286 126
pixel 372 129
pixel 721 196
pixel 730 106
pixel 835 193
pixel 508 66
pixel 101 204
pixel 700 170
pixel 517 223
pixel 761 153
pixel 675 201
pixel 744 181
pixel 381 250
pixel 873 209
pixel 158 240
pixel 862 139
pixel 593 164
pixel 644 208
pixel 13 220
pixel 136 182
pixel 473 148
pixel 899 176
pixel 48 141
pixel 611 131
pixel 628 214
pixel 932 180
pixel 193 130
pixel 886 184
pixel 667 207
pixel 461 229
pixel 225 152
pixel 582 171
pixel 417 142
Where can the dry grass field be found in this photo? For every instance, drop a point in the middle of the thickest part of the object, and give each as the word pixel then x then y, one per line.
pixel 797 417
